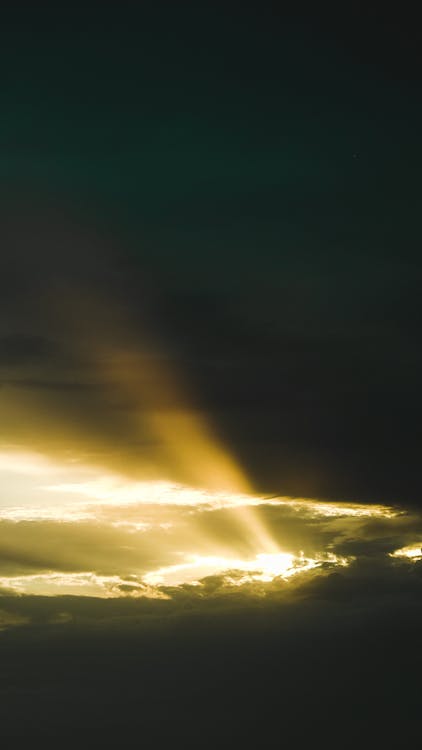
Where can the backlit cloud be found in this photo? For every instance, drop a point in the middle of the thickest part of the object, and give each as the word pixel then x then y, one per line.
pixel 99 534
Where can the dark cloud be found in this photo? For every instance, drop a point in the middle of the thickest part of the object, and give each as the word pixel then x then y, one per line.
pixel 344 657
pixel 23 349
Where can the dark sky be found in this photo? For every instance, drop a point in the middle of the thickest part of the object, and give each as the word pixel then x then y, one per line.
pixel 259 173
pixel 251 179
pixel 210 249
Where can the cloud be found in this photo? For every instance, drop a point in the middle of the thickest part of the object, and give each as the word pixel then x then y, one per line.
pixel 201 554
pixel 11 619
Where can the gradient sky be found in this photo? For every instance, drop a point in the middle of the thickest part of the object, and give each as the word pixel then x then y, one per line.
pixel 210 396
pixel 244 190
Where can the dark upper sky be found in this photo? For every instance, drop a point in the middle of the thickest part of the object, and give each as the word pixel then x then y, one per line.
pixel 245 185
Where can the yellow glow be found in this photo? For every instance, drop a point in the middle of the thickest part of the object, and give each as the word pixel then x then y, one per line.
pixel 118 490
pixel 413 552
pixel 264 567
pixel 79 584
pixel 130 467
pixel 15 461
pixel 164 435
pixel 236 545
pixel 186 445
pixel 316 508
pixel 115 490
pixel 73 490
pixel 124 359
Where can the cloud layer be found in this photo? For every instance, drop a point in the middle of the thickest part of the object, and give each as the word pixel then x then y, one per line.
pixel 109 538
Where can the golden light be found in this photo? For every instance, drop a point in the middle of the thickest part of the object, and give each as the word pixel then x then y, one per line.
pixel 234 544
pixel 263 567
pixel 172 456
pixel 317 508
pixel 79 584
pixel 413 552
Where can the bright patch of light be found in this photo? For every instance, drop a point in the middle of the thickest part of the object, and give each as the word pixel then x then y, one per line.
pixel 117 491
pixel 64 514
pixel 47 486
pixel 317 508
pixel 413 552
pixel 25 462
pixel 79 584
pixel 264 567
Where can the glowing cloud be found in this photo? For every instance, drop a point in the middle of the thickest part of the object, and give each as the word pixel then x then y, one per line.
pixel 128 537
pixel 413 552
pixel 79 584
pixel 264 567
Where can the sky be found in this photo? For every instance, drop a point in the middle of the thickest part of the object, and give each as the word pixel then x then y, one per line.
pixel 210 492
